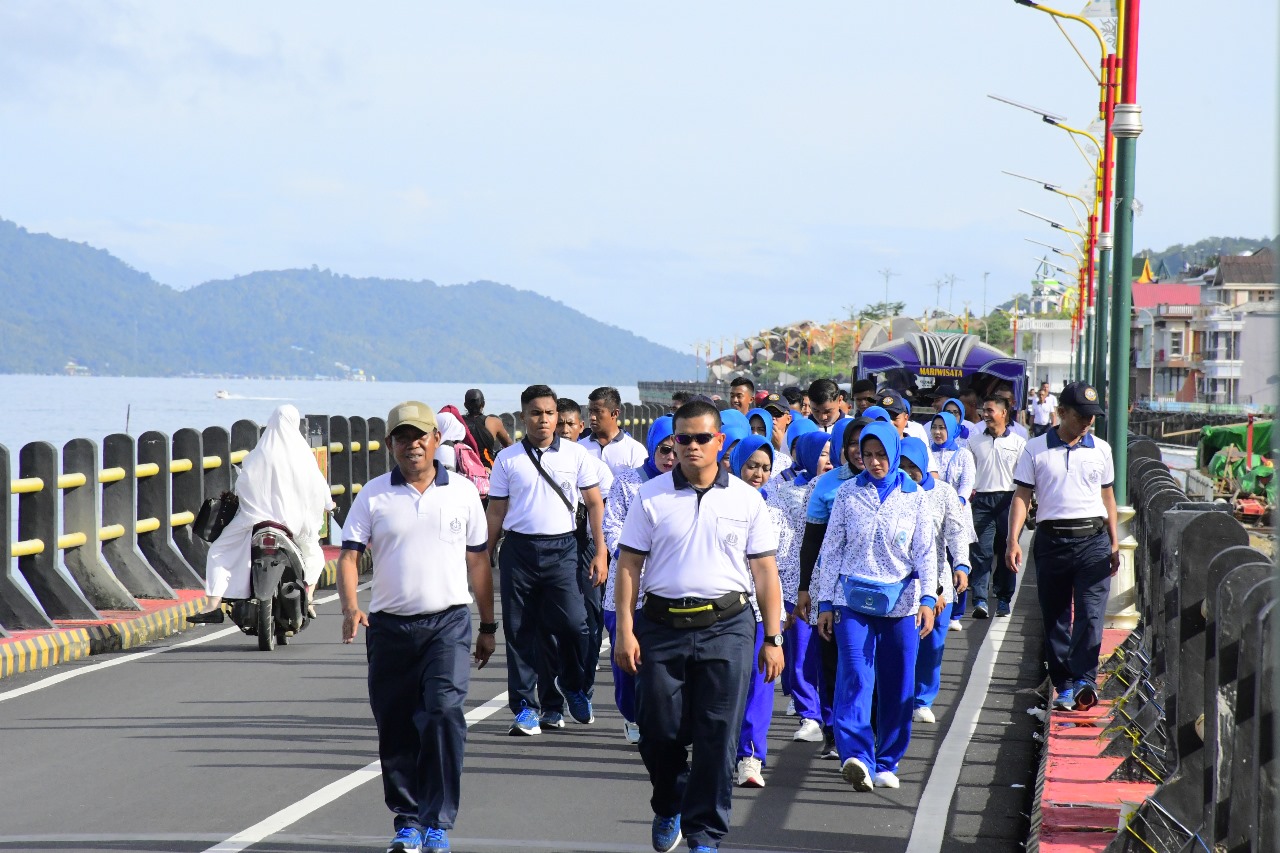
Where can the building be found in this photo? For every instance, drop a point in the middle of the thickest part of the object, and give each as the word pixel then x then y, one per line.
pixel 1240 287
pixel 1161 340
pixel 1046 346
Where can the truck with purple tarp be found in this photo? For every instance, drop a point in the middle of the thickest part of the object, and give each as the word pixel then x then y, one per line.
pixel 922 361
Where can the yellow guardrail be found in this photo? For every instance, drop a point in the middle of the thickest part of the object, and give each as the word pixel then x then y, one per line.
pixel 111 531
pixel 237 456
pixel 111 475
pixel 146 469
pixel 337 490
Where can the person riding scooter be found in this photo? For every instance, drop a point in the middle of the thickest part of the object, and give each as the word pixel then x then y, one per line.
pixel 280 482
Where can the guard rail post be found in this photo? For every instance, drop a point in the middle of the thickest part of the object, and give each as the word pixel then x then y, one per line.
pixel 379 461
pixel 39 525
pixel 118 534
pixel 81 511
pixel 186 467
pixel 244 437
pixel 513 423
pixel 340 465
pixel 216 443
pixel 154 502
pixel 18 609
pixel 359 453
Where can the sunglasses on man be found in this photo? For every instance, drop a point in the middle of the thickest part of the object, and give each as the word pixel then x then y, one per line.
pixel 694 438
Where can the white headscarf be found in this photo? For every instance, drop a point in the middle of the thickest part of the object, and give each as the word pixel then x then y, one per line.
pixel 280 480
pixel 451 429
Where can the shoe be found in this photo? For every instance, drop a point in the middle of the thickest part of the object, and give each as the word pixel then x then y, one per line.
pixel 435 839
pixel 923 715
pixel 885 779
pixel 407 840
pixel 980 610
pixel 1002 608
pixel 1065 700
pixel 856 774
pixel 525 723
pixel 810 731
pixel 578 704
pixel 213 617
pixel 956 625
pixel 791 707
pixel 702 848
pixel 749 773
pixel 666 833
pixel 631 731
pixel 1086 694
pixel 551 720
pixel 828 746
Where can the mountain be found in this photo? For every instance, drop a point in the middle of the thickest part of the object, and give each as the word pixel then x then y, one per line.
pixel 69 301
pixel 1195 258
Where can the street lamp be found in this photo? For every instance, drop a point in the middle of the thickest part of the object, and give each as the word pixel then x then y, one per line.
pixel 1054 188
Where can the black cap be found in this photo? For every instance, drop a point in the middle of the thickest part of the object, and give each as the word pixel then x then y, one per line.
pixel 1081 397
pixel 775 405
pixel 891 401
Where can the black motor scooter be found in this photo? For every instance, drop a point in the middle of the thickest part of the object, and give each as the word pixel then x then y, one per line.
pixel 277 607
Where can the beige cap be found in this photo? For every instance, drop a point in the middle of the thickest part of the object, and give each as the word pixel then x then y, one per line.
pixel 411 413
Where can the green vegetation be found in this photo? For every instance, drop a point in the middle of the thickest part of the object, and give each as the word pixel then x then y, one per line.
pixel 68 301
pixel 1203 255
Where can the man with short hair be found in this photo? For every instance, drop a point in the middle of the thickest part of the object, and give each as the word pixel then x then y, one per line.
pixel 742 394
pixel 864 395
pixel 1005 393
pixel 488 430
pixel 1076 544
pixel 703 540
pixel 824 403
pixel 533 496
pixel 995 452
pixel 1043 414
pixel 607 442
pixel 796 399
pixel 678 399
pixel 426 526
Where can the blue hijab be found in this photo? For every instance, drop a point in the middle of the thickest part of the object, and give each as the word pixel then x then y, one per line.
pixel 953 431
pixel 743 451
pixel 661 430
pixel 808 450
pixel 877 413
pixel 768 422
pixel 735 427
pixel 799 427
pixel 914 450
pixel 896 478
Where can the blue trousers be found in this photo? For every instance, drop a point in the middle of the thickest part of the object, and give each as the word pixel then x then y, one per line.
pixel 929 660
pixel 1072 572
pixel 803 661
pixel 877 663
pixel 624 683
pixel 419 672
pixel 991 522
pixel 691 690
pixel 753 741
pixel 540 596
pixel 549 646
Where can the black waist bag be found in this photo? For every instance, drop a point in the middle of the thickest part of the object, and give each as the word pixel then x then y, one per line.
pixel 694 612
pixel 215 514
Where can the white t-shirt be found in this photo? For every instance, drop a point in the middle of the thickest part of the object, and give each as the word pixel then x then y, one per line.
pixel 534 507
pixel 418 540
pixel 619 454
pixel 1068 480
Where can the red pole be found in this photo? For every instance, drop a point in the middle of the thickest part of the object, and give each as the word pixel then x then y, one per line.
pixel 1129 77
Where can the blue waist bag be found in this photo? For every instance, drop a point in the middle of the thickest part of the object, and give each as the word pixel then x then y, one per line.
pixel 874 598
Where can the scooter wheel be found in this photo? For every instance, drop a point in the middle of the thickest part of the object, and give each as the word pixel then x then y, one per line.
pixel 266 625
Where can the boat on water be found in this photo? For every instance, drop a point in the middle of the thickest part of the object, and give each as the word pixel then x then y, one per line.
pixel 222 394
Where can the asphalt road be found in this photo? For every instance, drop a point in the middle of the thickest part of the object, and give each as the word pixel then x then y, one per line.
pixel 183 747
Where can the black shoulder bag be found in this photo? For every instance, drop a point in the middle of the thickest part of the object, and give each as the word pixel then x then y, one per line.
pixel 215 514
pixel 579 512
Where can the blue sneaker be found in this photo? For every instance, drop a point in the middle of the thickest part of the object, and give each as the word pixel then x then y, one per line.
pixel 1086 694
pixel 578 704
pixel 551 720
pixel 980 609
pixel 1065 700
pixel 702 848
pixel 407 840
pixel 435 839
pixel 666 833
pixel 1002 608
pixel 525 723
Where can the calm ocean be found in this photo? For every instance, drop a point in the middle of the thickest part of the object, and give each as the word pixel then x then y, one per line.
pixel 59 408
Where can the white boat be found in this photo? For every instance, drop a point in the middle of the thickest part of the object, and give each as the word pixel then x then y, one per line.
pixel 222 394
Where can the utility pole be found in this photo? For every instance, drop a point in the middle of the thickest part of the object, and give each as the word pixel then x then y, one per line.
pixel 888 274
pixel 937 294
pixel 984 293
pixel 951 282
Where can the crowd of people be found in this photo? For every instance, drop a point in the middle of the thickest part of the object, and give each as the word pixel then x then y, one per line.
pixel 820 538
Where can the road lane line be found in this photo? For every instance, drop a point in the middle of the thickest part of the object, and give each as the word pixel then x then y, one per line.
pixel 930 826
pixel 133 657
pixel 290 815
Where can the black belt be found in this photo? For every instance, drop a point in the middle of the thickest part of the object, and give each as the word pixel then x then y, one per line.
pixel 539 537
pixel 1073 528
pixel 693 612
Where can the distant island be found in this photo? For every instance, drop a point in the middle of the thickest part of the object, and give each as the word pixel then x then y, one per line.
pixel 69 306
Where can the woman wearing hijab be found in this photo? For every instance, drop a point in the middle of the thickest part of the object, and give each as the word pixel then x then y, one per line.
pixel 956 466
pixel 876 583
pixel 751 461
pixel 626 485
pixel 279 481
pixel 735 427
pixel 763 423
pixel 955 408
pixel 451 432
pixel 953 536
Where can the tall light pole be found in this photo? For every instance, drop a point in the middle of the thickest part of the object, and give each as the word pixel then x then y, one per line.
pixel 984 293
pixel 888 274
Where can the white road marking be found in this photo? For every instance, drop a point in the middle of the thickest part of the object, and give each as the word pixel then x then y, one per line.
pixel 132 657
pixel 290 815
pixel 930 826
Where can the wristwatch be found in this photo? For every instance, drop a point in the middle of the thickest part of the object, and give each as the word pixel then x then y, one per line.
pixel 488 627
pixel 774 639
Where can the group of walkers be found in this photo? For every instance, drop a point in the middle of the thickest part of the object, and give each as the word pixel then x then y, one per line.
pixel 815 536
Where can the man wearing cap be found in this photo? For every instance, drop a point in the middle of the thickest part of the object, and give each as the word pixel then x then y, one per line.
pixel 900 414
pixel 778 409
pixel 995 453
pixel 1076 544
pixel 427 529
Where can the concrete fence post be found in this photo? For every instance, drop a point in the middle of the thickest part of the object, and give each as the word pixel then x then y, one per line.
pixel 40 518
pixel 379 459
pixel 81 514
pixel 187 493
pixel 119 496
pixel 155 536
pixel 216 445
pixel 340 464
pixel 359 452
pixel 19 609
pixel 513 425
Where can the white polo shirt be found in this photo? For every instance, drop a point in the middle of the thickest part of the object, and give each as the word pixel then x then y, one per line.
pixel 418 540
pixel 1068 479
pixel 620 453
pixel 697 544
pixel 533 506
pixel 1042 413
pixel 995 458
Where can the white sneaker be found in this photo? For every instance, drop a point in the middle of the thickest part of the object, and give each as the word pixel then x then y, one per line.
pixel 923 715
pixel 809 731
pixel 791 707
pixel 856 774
pixel 885 779
pixel 631 731
pixel 749 773
pixel 956 625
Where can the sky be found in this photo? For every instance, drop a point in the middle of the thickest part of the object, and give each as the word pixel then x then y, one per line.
pixel 688 171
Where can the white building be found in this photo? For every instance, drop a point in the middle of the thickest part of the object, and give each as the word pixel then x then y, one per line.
pixel 1046 346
